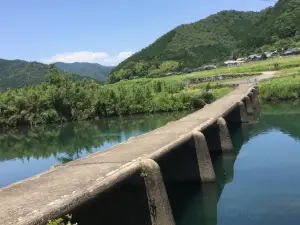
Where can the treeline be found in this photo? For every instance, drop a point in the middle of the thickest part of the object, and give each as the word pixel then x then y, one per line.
pixel 62 98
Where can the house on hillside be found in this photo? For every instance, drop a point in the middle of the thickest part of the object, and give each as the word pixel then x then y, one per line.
pixel 255 57
pixel 209 67
pixel 270 54
pixel 291 51
pixel 233 63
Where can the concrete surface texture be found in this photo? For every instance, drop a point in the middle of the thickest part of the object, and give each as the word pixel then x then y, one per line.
pixel 207 172
pixel 60 189
pixel 159 205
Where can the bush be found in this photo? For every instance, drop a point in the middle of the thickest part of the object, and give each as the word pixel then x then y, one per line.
pixel 280 89
pixel 60 221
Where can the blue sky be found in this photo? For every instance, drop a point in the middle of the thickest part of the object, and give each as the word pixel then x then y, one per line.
pixel 102 31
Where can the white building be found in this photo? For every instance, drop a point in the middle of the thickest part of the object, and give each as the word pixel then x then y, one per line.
pixel 233 63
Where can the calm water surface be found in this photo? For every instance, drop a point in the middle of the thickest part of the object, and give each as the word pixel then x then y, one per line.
pixel 258 185
pixel 26 152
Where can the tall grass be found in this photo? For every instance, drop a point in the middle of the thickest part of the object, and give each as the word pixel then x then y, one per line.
pixel 287 88
pixel 62 100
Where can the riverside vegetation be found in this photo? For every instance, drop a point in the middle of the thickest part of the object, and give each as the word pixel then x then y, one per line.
pixel 281 88
pixel 63 98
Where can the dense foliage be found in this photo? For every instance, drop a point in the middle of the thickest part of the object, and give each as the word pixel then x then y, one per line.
pixel 19 73
pixel 286 88
pixel 91 70
pixel 225 35
pixel 278 24
pixel 63 98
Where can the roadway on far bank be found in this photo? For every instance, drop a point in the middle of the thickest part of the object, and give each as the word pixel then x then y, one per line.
pixel 263 76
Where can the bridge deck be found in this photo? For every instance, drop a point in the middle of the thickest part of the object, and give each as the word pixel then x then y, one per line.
pixel 59 187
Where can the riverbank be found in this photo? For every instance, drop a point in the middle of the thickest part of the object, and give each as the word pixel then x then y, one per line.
pixel 62 99
pixel 280 88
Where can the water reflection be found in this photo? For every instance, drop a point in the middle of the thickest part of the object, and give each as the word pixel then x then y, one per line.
pixel 254 183
pixel 197 203
pixel 28 151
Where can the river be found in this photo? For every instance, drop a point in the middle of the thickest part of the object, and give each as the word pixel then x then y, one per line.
pixel 27 151
pixel 259 184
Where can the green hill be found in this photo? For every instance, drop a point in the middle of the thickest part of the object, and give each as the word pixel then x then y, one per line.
pixel 19 73
pixel 92 70
pixel 214 39
pixel 191 45
pixel 279 26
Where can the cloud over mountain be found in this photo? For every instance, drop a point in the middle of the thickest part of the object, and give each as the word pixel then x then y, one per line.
pixel 102 58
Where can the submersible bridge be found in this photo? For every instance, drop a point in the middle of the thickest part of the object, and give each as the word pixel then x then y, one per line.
pixel 179 152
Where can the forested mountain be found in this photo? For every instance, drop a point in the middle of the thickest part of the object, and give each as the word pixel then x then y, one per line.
pixel 19 73
pixel 93 70
pixel 279 26
pixel 214 39
pixel 191 45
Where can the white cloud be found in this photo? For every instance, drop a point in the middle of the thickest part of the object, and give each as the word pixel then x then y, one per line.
pixel 125 55
pixel 102 58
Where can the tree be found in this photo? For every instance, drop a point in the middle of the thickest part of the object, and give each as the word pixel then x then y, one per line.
pixel 169 66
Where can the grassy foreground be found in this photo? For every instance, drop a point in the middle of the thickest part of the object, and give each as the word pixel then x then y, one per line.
pixel 251 67
pixel 281 88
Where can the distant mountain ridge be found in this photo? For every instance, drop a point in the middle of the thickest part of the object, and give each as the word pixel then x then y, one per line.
pixel 92 70
pixel 20 73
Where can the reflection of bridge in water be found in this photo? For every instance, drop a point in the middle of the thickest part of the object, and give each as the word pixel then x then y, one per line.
pixel 132 183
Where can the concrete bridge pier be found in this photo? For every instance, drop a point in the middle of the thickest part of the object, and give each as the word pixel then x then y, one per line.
pixel 158 202
pixel 243 112
pixel 225 139
pixel 179 163
pixel 238 114
pixel 207 172
pixel 254 98
pixel 248 105
pixel 218 137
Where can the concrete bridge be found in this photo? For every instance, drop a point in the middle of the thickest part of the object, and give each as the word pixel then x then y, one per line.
pixel 179 152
